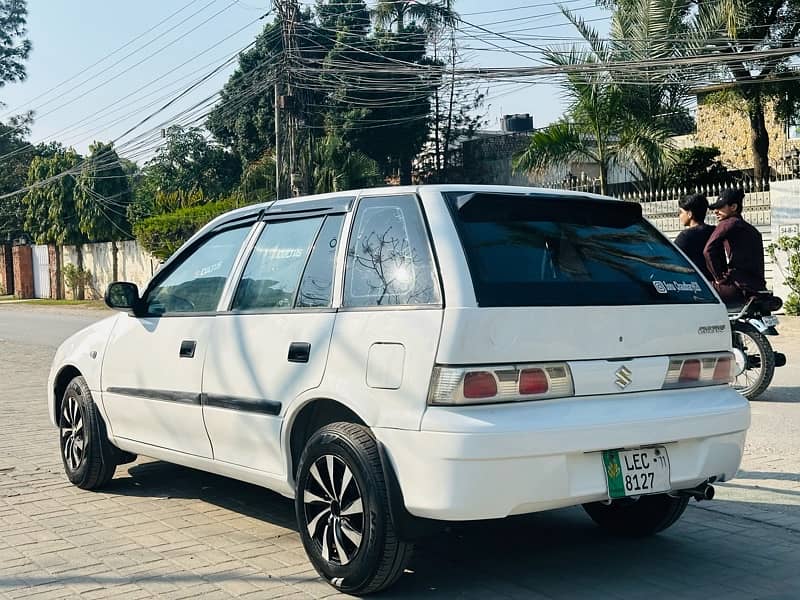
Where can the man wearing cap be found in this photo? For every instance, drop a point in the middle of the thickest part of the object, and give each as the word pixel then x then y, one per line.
pixel 735 251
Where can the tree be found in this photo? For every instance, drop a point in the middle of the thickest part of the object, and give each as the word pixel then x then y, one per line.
pixel 188 162
pixel 102 198
pixel 429 16
pixel 697 168
pixel 16 153
pixel 337 167
pixel 608 121
pixel 50 213
pixel 14 47
pixel 597 127
pixel 756 26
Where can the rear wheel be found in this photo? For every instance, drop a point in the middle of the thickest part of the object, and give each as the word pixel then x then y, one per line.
pixel 88 457
pixel 638 518
pixel 343 513
pixel 755 361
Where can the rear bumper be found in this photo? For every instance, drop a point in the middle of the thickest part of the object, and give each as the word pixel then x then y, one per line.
pixel 488 462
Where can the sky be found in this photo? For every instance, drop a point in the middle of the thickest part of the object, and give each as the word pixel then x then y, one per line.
pixel 98 67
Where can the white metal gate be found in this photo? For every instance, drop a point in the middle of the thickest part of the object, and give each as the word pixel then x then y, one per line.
pixel 41 272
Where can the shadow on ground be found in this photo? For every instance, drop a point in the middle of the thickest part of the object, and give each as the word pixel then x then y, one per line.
pixel 557 554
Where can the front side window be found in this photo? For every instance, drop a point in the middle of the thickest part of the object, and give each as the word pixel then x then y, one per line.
pixel 389 260
pixel 527 250
pixel 273 270
pixel 196 284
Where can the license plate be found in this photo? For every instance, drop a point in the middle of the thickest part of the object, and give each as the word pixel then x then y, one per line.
pixel 769 321
pixel 636 472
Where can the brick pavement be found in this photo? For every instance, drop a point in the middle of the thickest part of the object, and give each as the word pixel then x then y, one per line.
pixel 169 532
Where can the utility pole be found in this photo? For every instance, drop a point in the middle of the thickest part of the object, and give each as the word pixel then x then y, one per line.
pixel 277 141
pixel 287 12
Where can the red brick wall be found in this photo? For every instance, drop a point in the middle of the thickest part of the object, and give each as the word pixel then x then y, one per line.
pixel 6 270
pixel 23 271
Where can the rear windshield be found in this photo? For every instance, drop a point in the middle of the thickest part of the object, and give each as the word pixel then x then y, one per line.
pixel 526 250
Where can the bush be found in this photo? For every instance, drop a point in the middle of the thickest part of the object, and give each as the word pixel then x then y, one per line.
pixel 77 279
pixel 792 304
pixel 790 269
pixel 162 235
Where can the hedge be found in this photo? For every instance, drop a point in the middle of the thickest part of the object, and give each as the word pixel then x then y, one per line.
pixel 162 235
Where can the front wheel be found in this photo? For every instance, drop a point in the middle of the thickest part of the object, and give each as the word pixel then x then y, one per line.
pixel 638 518
pixel 755 361
pixel 88 456
pixel 343 513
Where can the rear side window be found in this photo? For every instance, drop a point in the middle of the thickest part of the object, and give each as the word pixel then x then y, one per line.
pixel 389 261
pixel 273 270
pixel 316 288
pixel 555 251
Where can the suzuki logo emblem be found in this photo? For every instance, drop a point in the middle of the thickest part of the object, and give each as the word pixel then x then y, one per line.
pixel 624 376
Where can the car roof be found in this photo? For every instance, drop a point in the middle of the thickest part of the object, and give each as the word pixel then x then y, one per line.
pixel 308 202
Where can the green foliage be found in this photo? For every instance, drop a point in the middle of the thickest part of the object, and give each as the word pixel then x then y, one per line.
pixel 160 203
pixel 77 279
pixel 102 196
pixel 258 180
pixel 387 120
pixel 187 162
pixel 337 167
pixel 608 122
pixel 50 212
pixel 163 234
pixel 696 167
pixel 14 48
pixel 789 247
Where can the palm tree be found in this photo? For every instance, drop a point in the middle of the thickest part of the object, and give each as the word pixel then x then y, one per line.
pixel 609 121
pixel 430 16
pixel 338 168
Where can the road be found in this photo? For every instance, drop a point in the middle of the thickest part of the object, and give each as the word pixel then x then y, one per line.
pixel 169 532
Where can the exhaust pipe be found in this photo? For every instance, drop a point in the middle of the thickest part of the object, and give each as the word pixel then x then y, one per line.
pixel 704 491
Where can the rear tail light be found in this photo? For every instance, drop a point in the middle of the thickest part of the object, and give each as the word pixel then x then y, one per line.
pixel 480 384
pixel 699 370
pixel 507 383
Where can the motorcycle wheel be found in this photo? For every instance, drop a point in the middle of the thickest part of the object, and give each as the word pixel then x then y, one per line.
pixel 755 361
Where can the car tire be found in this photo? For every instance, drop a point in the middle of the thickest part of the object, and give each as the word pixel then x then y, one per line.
pixel 343 511
pixel 638 518
pixel 88 457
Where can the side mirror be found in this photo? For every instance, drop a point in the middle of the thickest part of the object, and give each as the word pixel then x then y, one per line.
pixel 122 295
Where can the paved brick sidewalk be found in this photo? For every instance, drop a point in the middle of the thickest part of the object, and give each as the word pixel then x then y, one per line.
pixel 170 532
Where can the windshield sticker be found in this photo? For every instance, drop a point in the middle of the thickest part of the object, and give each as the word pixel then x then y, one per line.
pixel 664 287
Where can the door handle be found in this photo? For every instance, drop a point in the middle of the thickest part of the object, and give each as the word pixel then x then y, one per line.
pixel 299 352
pixel 187 348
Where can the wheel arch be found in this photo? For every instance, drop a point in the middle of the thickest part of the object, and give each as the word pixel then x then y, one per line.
pixel 310 417
pixel 66 374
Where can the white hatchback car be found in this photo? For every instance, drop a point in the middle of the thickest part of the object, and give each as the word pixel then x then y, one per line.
pixel 396 358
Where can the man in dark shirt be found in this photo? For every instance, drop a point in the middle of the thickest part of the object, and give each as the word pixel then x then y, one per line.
pixel 735 251
pixel 693 239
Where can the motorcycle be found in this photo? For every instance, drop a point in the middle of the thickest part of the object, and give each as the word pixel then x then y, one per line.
pixel 755 358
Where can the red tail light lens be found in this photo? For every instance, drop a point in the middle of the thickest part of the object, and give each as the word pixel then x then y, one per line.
pixel 533 381
pixel 690 371
pixel 492 384
pixel 698 370
pixel 480 384
pixel 722 372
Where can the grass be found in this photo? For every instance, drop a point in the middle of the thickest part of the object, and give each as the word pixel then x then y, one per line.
pixel 78 303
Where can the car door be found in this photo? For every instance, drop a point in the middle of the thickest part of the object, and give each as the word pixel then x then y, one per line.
pixel 152 371
pixel 273 343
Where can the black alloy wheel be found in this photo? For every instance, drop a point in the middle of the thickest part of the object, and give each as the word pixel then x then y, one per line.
pixel 89 458
pixel 343 511
pixel 334 510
